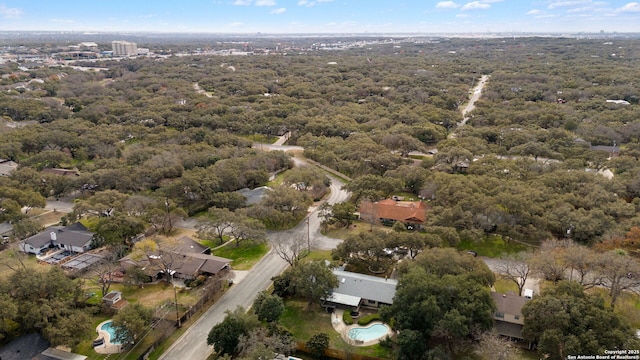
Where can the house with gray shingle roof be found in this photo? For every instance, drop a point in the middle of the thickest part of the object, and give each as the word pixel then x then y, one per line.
pixel 355 290
pixel 75 238
pixel 508 318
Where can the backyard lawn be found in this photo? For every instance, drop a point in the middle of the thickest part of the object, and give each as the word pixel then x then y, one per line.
pixel 304 323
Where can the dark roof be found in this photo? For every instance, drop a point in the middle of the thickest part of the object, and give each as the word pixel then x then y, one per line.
pixel 406 211
pixel 25 347
pixel 71 235
pixel 365 286
pixel 509 329
pixel 187 245
pixel 508 303
pixel 190 264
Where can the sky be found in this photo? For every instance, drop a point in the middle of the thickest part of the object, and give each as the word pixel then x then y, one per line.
pixel 321 16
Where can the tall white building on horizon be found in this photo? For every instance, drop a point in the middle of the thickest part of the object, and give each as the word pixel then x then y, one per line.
pixel 124 48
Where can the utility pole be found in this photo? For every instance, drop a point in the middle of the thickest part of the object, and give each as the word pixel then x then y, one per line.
pixel 308 235
pixel 175 295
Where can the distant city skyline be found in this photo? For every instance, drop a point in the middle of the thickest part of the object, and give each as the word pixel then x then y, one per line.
pixel 321 16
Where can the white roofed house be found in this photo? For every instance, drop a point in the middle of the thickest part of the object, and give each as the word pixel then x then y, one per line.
pixel 75 238
pixel 356 290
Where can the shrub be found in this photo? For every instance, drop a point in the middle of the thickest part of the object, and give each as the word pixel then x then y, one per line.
pixel 367 319
pixel 346 317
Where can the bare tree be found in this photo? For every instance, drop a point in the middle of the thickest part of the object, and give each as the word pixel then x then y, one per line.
pixel 159 253
pixel 291 249
pixel 103 274
pixel 217 224
pixel 515 268
pixel 492 346
pixel 369 213
pixel 619 272
pixel 583 262
pixel 550 260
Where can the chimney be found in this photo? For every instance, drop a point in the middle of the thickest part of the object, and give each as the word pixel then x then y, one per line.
pixel 53 236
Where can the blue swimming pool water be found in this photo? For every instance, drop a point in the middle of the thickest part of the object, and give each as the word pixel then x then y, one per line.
pixel 108 327
pixel 372 332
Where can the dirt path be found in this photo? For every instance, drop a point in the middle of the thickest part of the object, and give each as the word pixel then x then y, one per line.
pixel 476 92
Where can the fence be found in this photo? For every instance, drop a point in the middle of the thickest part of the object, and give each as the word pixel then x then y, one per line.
pixel 337 353
pixel 211 289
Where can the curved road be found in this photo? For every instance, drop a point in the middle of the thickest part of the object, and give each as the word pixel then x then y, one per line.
pixel 192 344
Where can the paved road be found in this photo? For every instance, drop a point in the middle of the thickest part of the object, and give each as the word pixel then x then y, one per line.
pixel 192 344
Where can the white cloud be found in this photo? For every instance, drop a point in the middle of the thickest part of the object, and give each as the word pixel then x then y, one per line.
pixel 265 3
pixel 558 4
pixel 475 5
pixel 462 16
pixel 279 11
pixel 534 12
pixel 242 2
pixel 630 7
pixel 306 3
pixel 446 5
pixel 9 13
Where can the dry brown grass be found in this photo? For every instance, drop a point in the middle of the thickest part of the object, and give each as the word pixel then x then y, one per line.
pixel 49 218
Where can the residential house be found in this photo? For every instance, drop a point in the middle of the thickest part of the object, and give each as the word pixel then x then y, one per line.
pixel 7 167
pixel 356 290
pixel 187 260
pixel 508 317
pixel 411 213
pixel 75 238
pixel 34 347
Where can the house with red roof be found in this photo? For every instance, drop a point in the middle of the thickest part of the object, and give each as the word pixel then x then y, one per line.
pixel 411 213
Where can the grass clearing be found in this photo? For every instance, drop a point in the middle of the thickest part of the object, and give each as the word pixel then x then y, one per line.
pixel 357 227
pixel 627 305
pixel 492 246
pixel 505 286
pixel 48 218
pixel 304 323
pixel 244 256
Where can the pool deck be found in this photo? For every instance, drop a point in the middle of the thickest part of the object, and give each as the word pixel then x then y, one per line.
pixel 107 347
pixel 343 329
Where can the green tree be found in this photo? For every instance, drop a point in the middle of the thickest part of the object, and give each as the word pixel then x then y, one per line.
pixel 225 336
pixel 341 213
pixel 318 344
pixel 131 323
pixel 117 230
pixel 268 307
pixel 441 302
pixel 373 187
pixel 566 321
pixel 313 280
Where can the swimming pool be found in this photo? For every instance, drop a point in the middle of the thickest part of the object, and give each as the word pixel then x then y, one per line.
pixel 369 333
pixel 108 327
